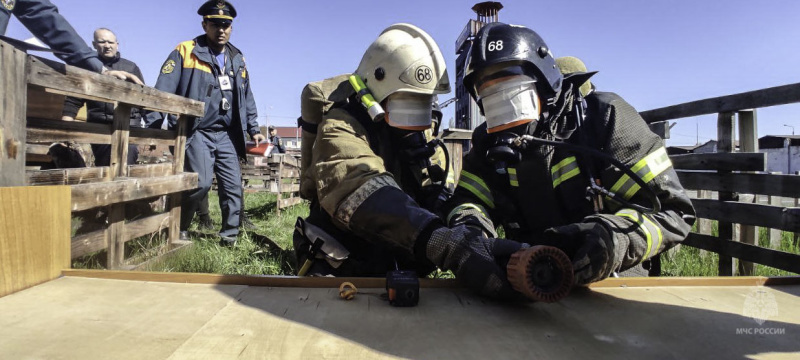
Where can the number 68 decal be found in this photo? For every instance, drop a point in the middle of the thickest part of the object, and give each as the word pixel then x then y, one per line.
pixel 495 45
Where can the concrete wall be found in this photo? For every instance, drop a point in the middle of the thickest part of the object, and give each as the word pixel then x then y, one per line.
pixel 777 160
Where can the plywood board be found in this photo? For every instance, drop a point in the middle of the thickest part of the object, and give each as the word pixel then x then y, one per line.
pixel 34 235
pixel 78 318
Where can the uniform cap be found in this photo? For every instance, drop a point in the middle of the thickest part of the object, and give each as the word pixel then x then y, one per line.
pixel 217 11
pixel 271 127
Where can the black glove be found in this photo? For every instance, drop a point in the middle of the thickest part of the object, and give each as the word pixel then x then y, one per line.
pixel 477 261
pixel 589 245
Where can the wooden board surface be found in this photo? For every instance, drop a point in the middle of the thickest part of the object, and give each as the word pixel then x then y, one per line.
pixel 34 235
pixel 81 318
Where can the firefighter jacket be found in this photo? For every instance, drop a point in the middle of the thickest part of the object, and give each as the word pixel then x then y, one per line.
pixel 353 160
pixel 189 71
pixel 548 187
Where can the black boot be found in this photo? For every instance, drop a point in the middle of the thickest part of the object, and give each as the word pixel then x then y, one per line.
pixel 245 223
pixel 204 223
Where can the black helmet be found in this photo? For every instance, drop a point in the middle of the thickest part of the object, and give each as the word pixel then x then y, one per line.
pixel 499 46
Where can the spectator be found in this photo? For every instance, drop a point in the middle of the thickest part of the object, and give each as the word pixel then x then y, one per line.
pixel 105 42
pixel 276 141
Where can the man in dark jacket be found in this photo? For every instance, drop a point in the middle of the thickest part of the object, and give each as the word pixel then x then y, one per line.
pixel 41 17
pixel 212 70
pixel 541 162
pixel 276 141
pixel 105 42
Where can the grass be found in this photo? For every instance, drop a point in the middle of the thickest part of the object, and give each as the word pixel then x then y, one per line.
pixel 254 255
pixel 689 261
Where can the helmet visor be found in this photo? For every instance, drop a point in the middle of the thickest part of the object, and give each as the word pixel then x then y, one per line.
pixel 508 102
pixel 409 111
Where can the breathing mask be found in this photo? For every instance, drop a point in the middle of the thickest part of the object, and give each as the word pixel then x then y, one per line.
pixel 409 111
pixel 508 102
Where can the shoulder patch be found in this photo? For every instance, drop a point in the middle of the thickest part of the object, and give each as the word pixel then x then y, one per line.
pixel 9 4
pixel 168 67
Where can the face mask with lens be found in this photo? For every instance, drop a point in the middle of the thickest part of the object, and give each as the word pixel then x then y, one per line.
pixel 409 111
pixel 508 102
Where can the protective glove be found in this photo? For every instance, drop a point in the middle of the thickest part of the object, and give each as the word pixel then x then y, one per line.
pixel 590 246
pixel 477 261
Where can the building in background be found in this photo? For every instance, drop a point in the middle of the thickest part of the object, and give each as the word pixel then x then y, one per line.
pixel 783 153
pixel 468 116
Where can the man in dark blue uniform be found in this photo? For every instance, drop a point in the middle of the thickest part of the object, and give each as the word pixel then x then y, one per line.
pixel 211 70
pixel 276 141
pixel 42 19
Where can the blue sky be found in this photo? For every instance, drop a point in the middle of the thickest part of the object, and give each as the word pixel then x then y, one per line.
pixel 653 53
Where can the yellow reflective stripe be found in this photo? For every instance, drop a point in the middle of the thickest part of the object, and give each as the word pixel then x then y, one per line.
pixel 190 61
pixel 512 177
pixel 565 169
pixel 651 230
pixel 466 206
pixel 648 168
pixel 477 187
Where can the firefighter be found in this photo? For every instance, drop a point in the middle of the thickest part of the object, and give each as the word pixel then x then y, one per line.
pixel 370 166
pixel 550 167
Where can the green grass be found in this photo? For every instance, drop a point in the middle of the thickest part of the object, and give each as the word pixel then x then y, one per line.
pixel 689 261
pixel 252 255
pixel 255 256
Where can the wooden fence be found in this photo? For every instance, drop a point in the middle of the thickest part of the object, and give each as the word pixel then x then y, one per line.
pixel 738 176
pixel 31 85
pixel 278 174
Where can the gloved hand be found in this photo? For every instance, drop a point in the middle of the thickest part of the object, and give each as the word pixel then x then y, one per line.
pixel 589 245
pixel 477 261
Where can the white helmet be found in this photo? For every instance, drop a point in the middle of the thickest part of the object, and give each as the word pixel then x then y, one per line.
pixel 404 58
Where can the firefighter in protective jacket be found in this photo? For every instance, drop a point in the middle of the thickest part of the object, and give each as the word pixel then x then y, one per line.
pixel 372 175
pixel 549 162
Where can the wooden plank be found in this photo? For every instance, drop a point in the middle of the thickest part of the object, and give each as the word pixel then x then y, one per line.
pixel 773 258
pixel 779 95
pixel 150 170
pixel 721 161
pixel 72 80
pixel 456 135
pixel 87 196
pixel 748 143
pixel 115 256
pixel 141 136
pixel 776 217
pixel 775 234
pixel 44 104
pixel 725 139
pixel 146 226
pixel 34 235
pixel 49 131
pixel 284 188
pixel 175 199
pixel 66 176
pixel 88 243
pixel 172 250
pixel 331 282
pixel 119 141
pixel 764 184
pixel 288 172
pixel 285 203
pixel 185 321
pixel 13 97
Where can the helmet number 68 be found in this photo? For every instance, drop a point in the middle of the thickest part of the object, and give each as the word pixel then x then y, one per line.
pixel 495 45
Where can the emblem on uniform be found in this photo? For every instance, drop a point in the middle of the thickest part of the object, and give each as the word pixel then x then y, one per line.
pixel 423 74
pixel 221 12
pixel 169 66
pixel 9 4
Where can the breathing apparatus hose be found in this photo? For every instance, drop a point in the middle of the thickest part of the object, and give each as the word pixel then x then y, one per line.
pixel 649 192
